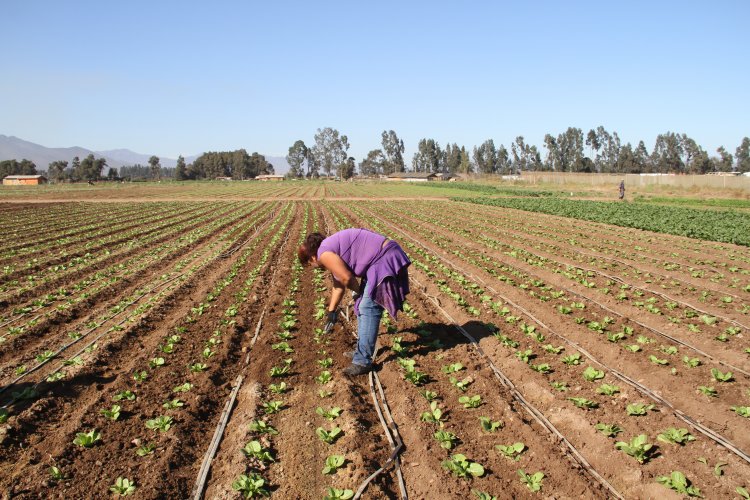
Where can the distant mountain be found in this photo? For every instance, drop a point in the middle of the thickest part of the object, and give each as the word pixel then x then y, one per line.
pixel 13 148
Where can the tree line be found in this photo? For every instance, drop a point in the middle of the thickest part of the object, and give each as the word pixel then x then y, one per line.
pixel 570 151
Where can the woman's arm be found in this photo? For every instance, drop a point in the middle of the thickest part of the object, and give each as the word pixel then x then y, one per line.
pixel 343 277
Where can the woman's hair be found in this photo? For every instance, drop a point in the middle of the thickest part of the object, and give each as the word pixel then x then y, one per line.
pixel 309 248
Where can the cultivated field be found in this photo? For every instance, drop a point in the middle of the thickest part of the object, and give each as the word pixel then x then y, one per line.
pixel 170 338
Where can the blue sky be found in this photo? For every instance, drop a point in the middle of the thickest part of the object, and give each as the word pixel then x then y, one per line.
pixel 172 78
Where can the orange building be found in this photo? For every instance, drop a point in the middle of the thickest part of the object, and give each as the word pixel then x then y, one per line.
pixel 24 180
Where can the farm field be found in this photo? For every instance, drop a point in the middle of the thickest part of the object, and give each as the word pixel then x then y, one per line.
pixel 170 341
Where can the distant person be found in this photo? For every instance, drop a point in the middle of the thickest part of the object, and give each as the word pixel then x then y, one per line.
pixel 380 263
pixel 622 190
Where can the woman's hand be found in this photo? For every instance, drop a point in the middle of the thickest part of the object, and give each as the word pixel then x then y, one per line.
pixel 333 316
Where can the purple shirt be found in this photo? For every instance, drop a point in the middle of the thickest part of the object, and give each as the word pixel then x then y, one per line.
pixel 382 266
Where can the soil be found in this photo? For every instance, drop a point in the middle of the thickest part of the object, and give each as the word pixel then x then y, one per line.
pixel 219 303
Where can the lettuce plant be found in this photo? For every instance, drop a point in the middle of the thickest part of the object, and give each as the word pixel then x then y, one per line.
pixel 87 439
pixel 679 483
pixel 675 436
pixel 251 485
pixel 254 449
pixel 532 481
pixel 511 451
pixel 609 430
pixel 328 437
pixel 122 487
pixel 461 467
pixel 333 463
pixel 638 448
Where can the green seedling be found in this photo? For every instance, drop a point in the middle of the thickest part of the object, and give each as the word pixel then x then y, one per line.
pixel 552 349
pixel 657 361
pixel 253 449
pixel 415 377
pixel 632 348
pixel 691 362
pixel 638 409
pixel 608 389
pixel 471 402
pixel 526 355
pixel 112 414
pixel 453 368
pixel 679 483
pixel 271 407
pixel 251 485
pixel 642 339
pixel 675 436
pixel 324 377
pixel 461 467
pixel 334 494
pixel 433 416
pixel 198 367
pixel 615 337
pixel 591 374
pixel 328 437
pixel 490 426
pixel 429 395
pixel 324 393
pixel 560 386
pixel 325 363
pixel 282 346
pixel 572 359
pixel 542 368
pixel 638 448
pixel 45 356
pixel 532 481
pixel 140 376
pixel 122 487
pixel 742 411
pixel 609 430
pixel 182 388
pixel 742 492
pixel 584 403
pixel 277 388
pixel 124 395
pixel 461 385
pixel 481 495
pixel 721 377
pixel 507 341
pixel 173 404
pixel 446 439
pixel 333 463
pixel 708 391
pixel 331 414
pixel 262 427
pixel 56 474
pixel 156 362
pixel 87 439
pixel 145 449
pixel 161 423
pixel 511 451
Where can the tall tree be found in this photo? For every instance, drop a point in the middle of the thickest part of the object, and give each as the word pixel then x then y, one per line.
pixel 554 160
pixel 485 157
pixel 427 158
pixel 725 163
pixel 296 158
pixel 373 163
pixel 90 168
pixel 667 154
pixel 592 141
pixel 465 165
pixel 503 162
pixel 155 167
pixel 393 150
pixel 642 158
pixel 180 173
pixel 742 154
pixel 452 156
pixel 347 169
pixel 56 170
pixel 330 149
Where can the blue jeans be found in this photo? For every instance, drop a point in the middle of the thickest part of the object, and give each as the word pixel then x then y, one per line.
pixel 368 323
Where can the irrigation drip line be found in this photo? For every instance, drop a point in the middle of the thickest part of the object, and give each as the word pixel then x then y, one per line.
pixel 573 292
pixel 72 343
pixel 664 296
pixel 714 436
pixel 208 458
pixel 213 447
pixel 390 429
pixel 537 415
pixel 683 280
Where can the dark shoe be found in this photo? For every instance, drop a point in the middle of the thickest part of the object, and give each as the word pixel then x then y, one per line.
pixel 356 370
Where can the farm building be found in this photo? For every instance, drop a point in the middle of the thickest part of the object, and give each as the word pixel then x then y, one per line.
pixel 269 177
pixel 24 180
pixel 412 176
